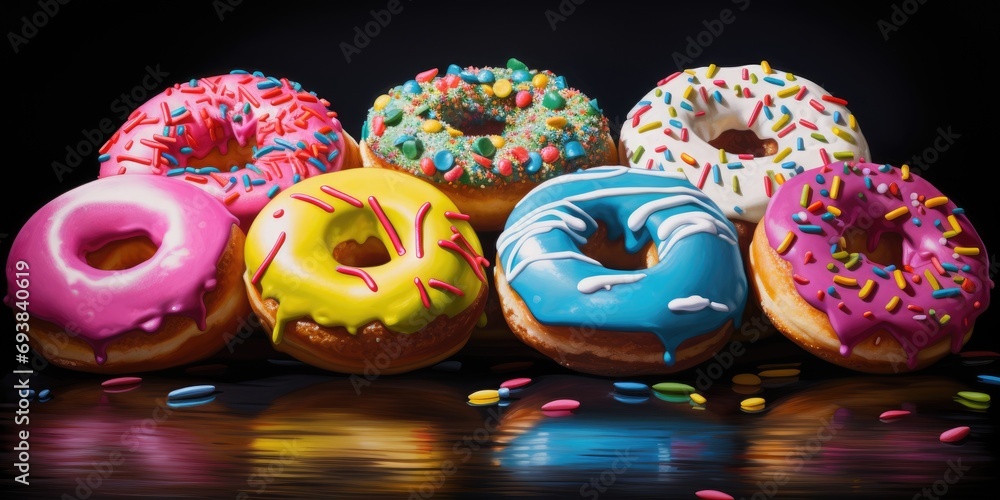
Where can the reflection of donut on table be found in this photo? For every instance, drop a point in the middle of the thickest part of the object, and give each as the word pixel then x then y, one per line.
pixel 657 439
pixel 486 136
pixel 141 271
pixel 870 267
pixel 356 266
pixel 829 435
pixel 619 271
pixel 240 137
pixel 392 434
pixel 92 439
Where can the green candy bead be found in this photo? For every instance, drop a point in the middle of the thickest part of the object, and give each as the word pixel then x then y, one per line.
pixel 515 64
pixel 553 100
pixel 484 146
pixel 413 149
pixel 393 116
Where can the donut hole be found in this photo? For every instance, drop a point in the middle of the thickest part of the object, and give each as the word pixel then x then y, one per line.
pixel 121 254
pixel 235 155
pixel 613 255
pixel 474 124
pixel 888 251
pixel 741 142
pixel 371 253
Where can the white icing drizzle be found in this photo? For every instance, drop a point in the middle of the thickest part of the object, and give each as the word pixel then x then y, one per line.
pixel 606 281
pixel 548 256
pixel 695 303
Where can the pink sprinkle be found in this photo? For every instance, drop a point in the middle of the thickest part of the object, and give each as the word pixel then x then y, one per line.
pixel 667 79
pixel 649 164
pixel 713 495
pixel 341 196
pixel 767 99
pixel 816 104
pixel 268 258
pixel 746 74
pixel 418 228
pixel 360 273
pixel 423 293
pixel 955 435
pixel 893 414
pixel 704 176
pixel 808 124
pixel 455 215
pixel 704 94
pixel 549 154
pixel 661 148
pixel 120 381
pixel 802 280
pixel 442 285
pixel 561 405
pixel 719 83
pixel 745 156
pixel 756 112
pixel 825 158
pixel 808 258
pixel 699 113
pixel 387 225
pixel 746 92
pixel 515 383
pixel 786 130
pixel 315 201
pixel 278 213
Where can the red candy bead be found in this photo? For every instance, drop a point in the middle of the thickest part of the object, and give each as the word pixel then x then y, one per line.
pixel 549 154
pixel 378 125
pixel 427 166
pixel 521 154
pixel 523 99
pixel 505 166
pixel 426 76
pixel 453 174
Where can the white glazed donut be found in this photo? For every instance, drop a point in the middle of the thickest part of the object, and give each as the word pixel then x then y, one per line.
pixel 798 126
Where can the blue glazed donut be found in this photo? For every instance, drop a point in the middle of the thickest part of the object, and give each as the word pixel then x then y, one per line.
pixel 674 313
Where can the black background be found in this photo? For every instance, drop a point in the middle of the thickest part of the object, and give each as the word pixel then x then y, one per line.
pixel 930 73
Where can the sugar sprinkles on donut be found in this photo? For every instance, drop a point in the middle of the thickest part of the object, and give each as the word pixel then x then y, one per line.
pixel 242 137
pixel 879 252
pixel 486 135
pixel 739 132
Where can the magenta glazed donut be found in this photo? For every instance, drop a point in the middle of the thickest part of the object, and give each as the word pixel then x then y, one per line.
pixel 129 273
pixel 870 267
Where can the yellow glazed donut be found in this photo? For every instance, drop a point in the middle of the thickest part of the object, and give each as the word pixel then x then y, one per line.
pixel 365 267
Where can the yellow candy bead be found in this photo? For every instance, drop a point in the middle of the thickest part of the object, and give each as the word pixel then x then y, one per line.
pixel 431 126
pixel 502 88
pixel 540 80
pixel 556 121
pixel 488 89
pixel 453 132
pixel 382 101
pixel 497 141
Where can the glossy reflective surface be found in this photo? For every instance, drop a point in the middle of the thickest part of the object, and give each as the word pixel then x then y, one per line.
pixel 285 430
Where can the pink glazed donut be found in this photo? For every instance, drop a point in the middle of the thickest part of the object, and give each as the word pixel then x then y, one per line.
pixel 129 273
pixel 870 267
pixel 241 137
